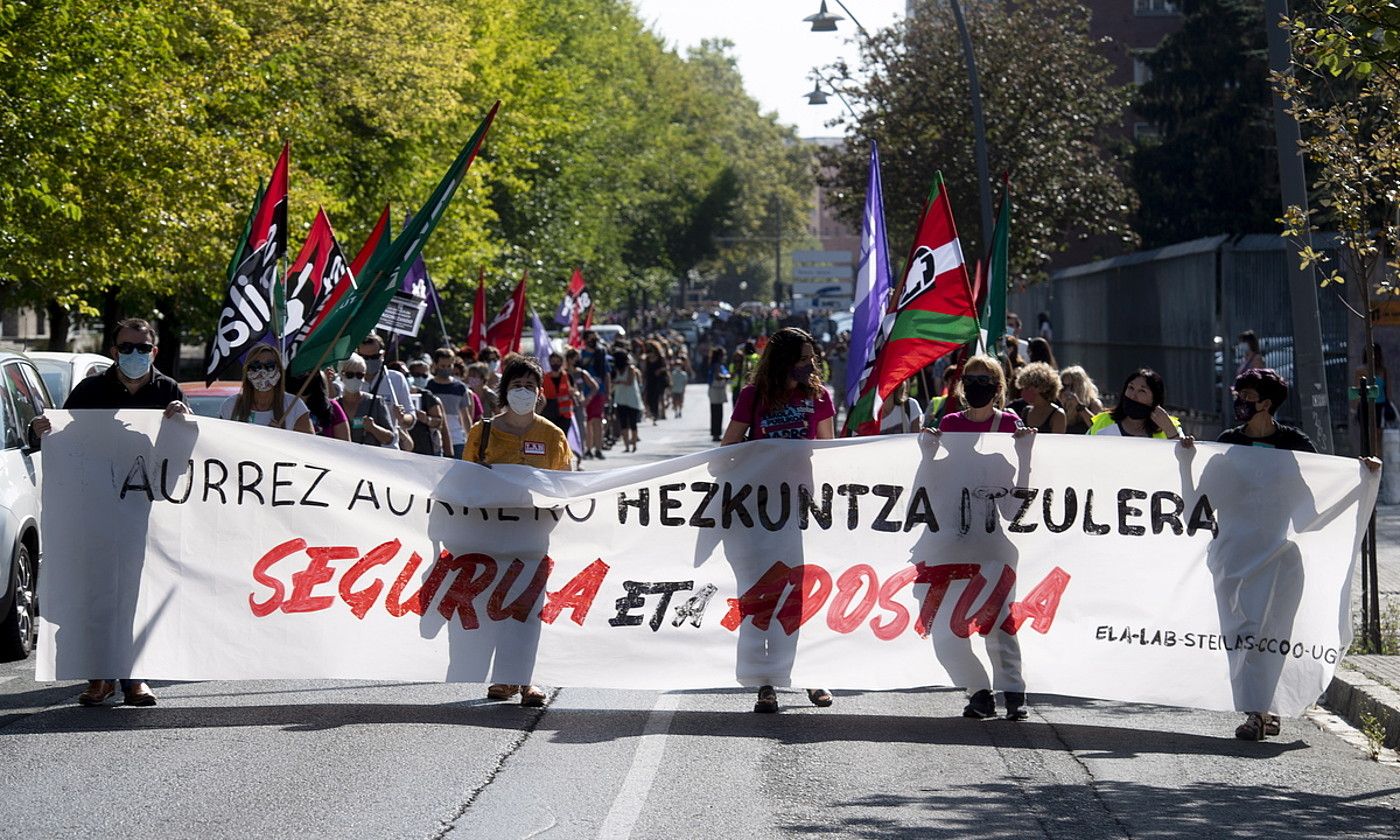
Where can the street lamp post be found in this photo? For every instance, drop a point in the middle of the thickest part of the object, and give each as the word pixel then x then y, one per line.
pixel 825 21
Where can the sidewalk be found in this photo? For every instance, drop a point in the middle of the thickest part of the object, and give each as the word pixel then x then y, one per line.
pixel 1370 685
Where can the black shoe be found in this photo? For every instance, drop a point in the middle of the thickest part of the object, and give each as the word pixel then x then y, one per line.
pixel 981 705
pixel 1016 708
pixel 598 453
pixel 587 454
pixel 767 700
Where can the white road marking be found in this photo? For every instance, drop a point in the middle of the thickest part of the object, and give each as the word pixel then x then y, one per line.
pixel 627 807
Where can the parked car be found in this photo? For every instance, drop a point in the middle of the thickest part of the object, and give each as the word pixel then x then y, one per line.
pixel 206 400
pixel 22 397
pixel 63 371
pixel 609 334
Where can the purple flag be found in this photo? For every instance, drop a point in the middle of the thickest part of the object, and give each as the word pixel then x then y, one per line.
pixel 542 345
pixel 872 291
pixel 417 282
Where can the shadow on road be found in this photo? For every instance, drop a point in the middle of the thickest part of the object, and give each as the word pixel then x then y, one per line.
pixel 1119 808
pixel 576 726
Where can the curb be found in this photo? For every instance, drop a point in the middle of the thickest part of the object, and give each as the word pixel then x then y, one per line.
pixel 1354 693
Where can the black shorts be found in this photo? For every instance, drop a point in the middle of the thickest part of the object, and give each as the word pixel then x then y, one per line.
pixel 627 417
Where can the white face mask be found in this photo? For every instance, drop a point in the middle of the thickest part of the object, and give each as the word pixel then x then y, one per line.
pixel 522 400
pixel 352 386
pixel 264 380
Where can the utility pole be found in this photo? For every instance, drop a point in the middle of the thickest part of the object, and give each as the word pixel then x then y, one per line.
pixel 778 251
pixel 1310 375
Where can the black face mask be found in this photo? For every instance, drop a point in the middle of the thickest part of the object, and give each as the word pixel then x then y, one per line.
pixel 1134 410
pixel 979 394
pixel 1245 411
pixel 802 373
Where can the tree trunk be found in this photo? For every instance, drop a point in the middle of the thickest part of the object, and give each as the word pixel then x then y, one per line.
pixel 59 322
pixel 111 314
pixel 169 328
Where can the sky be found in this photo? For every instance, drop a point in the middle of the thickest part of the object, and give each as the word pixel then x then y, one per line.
pixel 776 51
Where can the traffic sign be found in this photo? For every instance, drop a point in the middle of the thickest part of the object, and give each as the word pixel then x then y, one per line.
pixel 822 257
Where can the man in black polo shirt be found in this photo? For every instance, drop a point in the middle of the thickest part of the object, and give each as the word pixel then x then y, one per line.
pixel 133 382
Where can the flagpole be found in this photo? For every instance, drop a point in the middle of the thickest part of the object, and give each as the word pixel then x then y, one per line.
pixel 437 308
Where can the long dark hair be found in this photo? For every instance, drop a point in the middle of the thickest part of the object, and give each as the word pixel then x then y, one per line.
pixel 780 356
pixel 1159 396
pixel 1041 352
pixel 314 396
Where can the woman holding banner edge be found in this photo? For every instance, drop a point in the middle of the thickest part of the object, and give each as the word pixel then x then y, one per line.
pixel 519 435
pixel 981 390
pixel 786 400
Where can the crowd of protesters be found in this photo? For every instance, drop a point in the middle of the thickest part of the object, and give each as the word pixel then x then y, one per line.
pixel 775 375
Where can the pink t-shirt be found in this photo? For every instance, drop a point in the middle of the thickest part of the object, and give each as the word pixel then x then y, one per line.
pixel 797 419
pixel 1000 421
pixel 337 418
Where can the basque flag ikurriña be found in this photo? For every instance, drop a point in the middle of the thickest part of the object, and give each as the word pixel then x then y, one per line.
pixel 932 314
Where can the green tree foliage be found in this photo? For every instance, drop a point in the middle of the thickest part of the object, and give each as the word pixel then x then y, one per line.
pixel 1049 111
pixel 133 135
pixel 1213 168
pixel 1344 90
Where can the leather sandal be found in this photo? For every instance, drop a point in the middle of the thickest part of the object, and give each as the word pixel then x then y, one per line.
pixel 97 693
pixel 532 697
pixel 502 691
pixel 141 695
pixel 820 697
pixel 767 702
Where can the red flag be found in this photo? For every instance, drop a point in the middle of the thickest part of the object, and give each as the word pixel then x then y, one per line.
pixel 377 238
pixel 318 272
pixel 476 336
pixel 588 321
pixel 506 328
pixel 576 286
pixel 271 219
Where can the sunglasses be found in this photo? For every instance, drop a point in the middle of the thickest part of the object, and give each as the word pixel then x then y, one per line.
pixel 254 367
pixel 368 358
pixel 978 379
pixel 352 376
pixel 144 348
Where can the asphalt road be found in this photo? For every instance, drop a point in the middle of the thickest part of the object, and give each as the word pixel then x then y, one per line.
pixel 339 759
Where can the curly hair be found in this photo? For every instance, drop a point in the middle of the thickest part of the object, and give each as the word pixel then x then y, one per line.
pixel 1041 377
pixel 1265 382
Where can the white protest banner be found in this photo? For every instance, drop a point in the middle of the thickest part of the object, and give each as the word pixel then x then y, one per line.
pixel 1102 567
